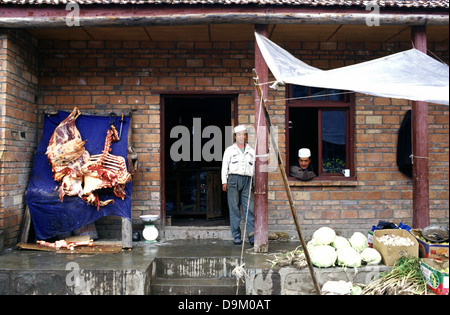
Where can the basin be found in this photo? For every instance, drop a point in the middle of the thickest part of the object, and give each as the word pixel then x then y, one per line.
pixel 150 232
pixel 146 218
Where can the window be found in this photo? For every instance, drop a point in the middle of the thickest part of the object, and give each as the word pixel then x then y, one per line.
pixel 321 120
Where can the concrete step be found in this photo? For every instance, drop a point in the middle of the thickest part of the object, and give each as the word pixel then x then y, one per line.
pixel 196 232
pixel 195 276
pixel 28 272
pixel 195 267
pixel 196 286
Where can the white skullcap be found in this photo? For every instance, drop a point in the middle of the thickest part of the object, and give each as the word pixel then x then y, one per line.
pixel 304 153
pixel 239 128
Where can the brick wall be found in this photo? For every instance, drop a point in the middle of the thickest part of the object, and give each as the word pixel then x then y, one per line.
pixel 101 76
pixel 96 76
pixel 18 126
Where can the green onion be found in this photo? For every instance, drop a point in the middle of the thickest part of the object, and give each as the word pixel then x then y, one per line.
pixel 405 278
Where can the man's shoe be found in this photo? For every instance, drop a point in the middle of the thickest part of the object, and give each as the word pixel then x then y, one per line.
pixel 251 239
pixel 237 240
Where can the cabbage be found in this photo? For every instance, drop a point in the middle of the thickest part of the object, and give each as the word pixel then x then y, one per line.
pixel 310 245
pixel 356 290
pixel 371 256
pixel 358 242
pixel 348 257
pixel 323 236
pixel 340 242
pixel 323 256
pixel 340 287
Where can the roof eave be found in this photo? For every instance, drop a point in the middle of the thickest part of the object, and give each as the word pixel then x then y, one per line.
pixel 120 15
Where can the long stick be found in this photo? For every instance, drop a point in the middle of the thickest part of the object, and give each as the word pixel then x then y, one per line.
pixel 286 184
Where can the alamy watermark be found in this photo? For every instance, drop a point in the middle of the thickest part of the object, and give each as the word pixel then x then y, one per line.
pixel 74 279
pixel 73 17
pixel 373 18
pixel 212 149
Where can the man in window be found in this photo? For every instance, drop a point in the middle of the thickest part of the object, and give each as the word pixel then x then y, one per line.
pixel 303 171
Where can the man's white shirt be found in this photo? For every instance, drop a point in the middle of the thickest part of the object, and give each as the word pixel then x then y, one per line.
pixel 237 162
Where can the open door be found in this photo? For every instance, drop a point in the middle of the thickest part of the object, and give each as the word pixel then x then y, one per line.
pixel 196 131
pixel 213 195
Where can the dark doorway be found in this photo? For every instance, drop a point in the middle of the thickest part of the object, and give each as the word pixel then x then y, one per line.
pixel 197 129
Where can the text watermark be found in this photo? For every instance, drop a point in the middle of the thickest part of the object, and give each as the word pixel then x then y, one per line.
pixel 373 18
pixel 212 149
pixel 73 17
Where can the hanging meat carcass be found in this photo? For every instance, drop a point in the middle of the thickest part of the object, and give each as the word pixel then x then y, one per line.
pixel 105 171
pixel 67 155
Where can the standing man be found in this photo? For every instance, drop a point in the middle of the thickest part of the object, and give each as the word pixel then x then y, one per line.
pixel 237 172
pixel 304 170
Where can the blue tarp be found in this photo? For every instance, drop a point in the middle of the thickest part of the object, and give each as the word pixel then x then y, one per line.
pixel 52 217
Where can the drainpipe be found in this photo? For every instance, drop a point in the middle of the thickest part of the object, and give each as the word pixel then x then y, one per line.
pixel 421 215
pixel 261 175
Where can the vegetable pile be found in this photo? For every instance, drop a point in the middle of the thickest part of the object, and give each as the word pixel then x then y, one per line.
pixel 327 249
pixel 295 258
pixel 405 278
pixel 340 288
pixel 395 240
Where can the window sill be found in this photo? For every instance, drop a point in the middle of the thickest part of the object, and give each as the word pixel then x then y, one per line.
pixel 324 182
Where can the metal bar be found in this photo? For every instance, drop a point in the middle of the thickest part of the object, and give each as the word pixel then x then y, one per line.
pixel 286 184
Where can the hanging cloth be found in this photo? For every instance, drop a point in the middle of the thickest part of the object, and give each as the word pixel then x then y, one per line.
pixel 410 74
pixel 404 146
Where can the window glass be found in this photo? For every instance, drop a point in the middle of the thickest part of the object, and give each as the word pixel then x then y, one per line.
pixel 318 94
pixel 334 141
pixel 336 95
pixel 299 91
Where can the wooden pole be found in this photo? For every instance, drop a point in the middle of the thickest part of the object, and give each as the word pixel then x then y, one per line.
pixel 421 215
pixel 118 15
pixel 261 175
pixel 286 183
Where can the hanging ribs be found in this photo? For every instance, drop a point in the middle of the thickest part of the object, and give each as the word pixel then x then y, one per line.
pixel 105 171
pixel 67 155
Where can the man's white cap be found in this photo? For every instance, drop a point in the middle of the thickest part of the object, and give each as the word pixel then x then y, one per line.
pixel 239 128
pixel 304 153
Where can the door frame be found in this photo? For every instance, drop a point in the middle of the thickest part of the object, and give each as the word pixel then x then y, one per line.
pixel 232 95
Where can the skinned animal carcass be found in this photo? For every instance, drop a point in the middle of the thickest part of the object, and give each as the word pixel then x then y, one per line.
pixel 80 173
pixel 105 171
pixel 67 155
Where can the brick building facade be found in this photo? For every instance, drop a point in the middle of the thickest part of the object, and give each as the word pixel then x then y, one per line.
pixel 100 76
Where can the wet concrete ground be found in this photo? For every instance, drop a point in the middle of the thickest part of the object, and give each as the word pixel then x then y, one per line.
pixel 131 272
pixel 32 272
pixel 141 255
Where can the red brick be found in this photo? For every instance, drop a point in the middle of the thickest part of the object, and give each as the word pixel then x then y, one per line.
pixel 100 99
pixel 131 81
pixel 96 81
pixel 66 100
pixel 330 215
pixel 374 195
pixel 349 214
pixel 338 195
pixel 319 195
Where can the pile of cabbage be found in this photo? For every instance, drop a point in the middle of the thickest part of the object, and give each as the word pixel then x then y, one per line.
pixel 327 249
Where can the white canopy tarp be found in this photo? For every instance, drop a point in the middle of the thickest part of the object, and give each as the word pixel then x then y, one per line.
pixel 410 75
